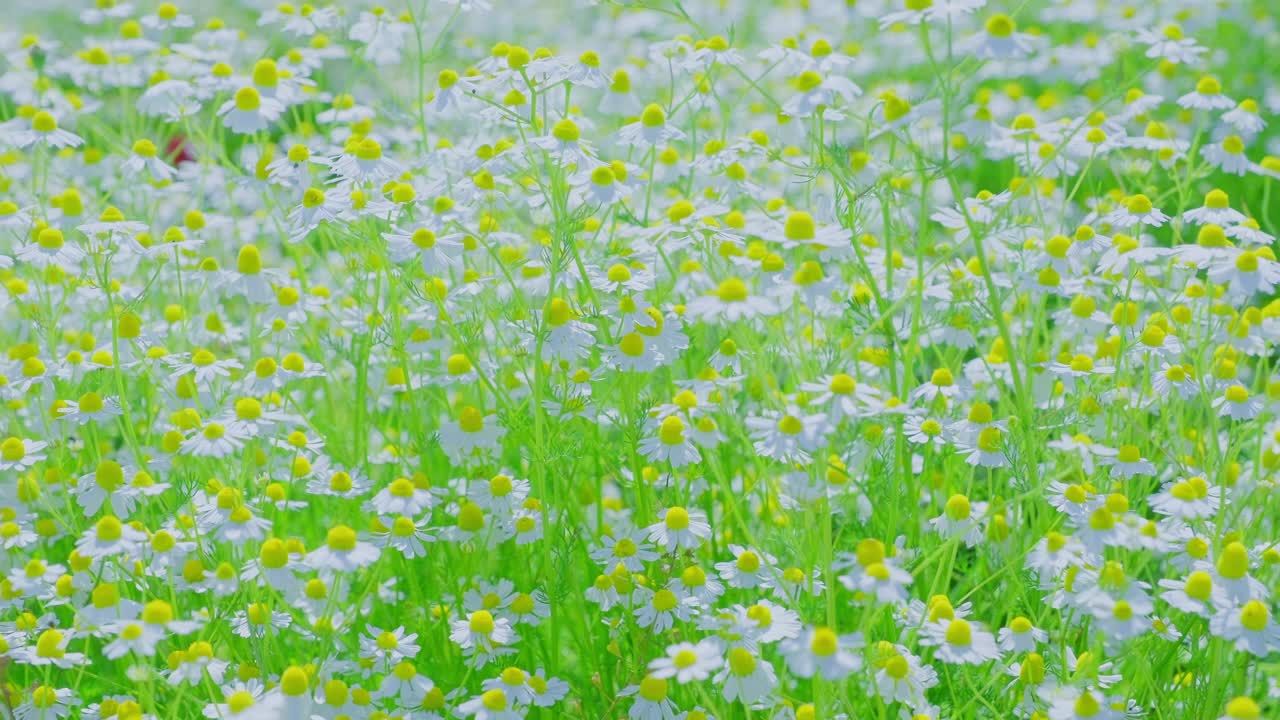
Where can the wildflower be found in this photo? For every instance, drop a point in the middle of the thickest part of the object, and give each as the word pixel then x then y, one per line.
pixel 651 129
pixel 1242 708
pixel 1228 154
pixel 1249 626
pixel 1000 39
pixel 1129 462
pixel 1170 43
pixel 688 662
pixel 20 453
pixel 482 636
pixel 679 528
pixel 731 301
pixel 960 641
pixel 1137 210
pixel 244 701
pixel 1245 272
pixel 821 650
pixel 961 518
pixel 1021 636
pixel 44 130
pixel 787 436
pixel 145 156
pixel 745 677
pixel 1196 594
pixel 671 444
pixel 660 610
pixel 473 431
pixel 651 701
pixel 51 249
pixel 249 112
pixel 342 551
pixel 1216 210
pixel 901 676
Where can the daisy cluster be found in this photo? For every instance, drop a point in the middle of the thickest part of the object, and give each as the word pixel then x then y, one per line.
pixel 658 359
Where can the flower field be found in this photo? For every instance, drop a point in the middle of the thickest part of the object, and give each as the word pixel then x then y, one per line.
pixel 645 359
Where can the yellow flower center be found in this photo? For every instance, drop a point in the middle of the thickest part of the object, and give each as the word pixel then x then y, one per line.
pixel 741 662
pixel 653 689
pixel 1087 705
pixel 471 420
pixel 481 622
pixel 341 538
pixel 50 238
pixel 109 529
pixel 1000 25
pixel 494 699
pixel 959 632
pixel 653 116
pixel 672 431
pixel 732 290
pixel 664 600
pixel 824 643
pixel 13 449
pixel 799 226
pixel 240 701
pixel 677 518
pixel 1234 562
pixel 1139 204
pixel 958 507
pixel 247 99
pixel 44 122
pixel 790 425
pixel 1254 616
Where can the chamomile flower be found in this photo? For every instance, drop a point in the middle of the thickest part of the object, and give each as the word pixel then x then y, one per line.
pixel 1216 210
pixel 660 610
pixel 44 131
pixel 672 444
pixel 482 636
pixel 388 646
pixel 342 551
pixel 1228 155
pixel 146 157
pixel 1207 96
pixel 749 569
pixel 472 432
pixel 1196 594
pixel 1137 210
pixel 20 453
pixel 688 662
pixel 249 111
pixel 651 701
pixel 1000 39
pixel 1245 119
pixel 679 528
pixel 901 676
pixel 651 129
pixel 960 641
pixel 787 436
pixel 1250 627
pixel 745 677
pixel 1245 272
pixel 51 249
pixel 821 651
pixel 961 519
pixel 1170 43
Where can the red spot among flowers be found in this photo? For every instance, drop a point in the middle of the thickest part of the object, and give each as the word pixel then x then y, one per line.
pixel 179 150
